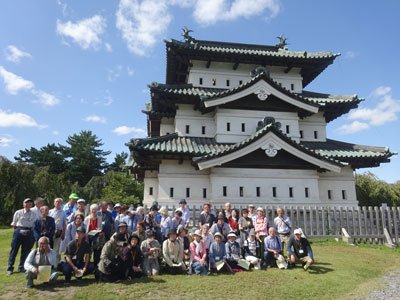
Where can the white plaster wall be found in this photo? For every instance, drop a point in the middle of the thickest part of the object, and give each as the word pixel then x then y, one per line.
pixel 336 182
pixel 250 118
pixel 222 72
pixel 150 180
pixel 313 123
pixel 167 126
pixel 186 115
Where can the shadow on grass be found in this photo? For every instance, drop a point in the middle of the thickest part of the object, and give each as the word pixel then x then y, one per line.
pixel 316 269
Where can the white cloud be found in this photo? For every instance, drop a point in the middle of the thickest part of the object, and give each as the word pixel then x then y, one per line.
pixel 108 47
pixel 142 23
pixel 109 99
pixel 14 55
pixel 354 127
pixel 86 33
pixel 121 130
pixel 45 99
pixel 114 74
pixel 14 119
pixel 129 71
pixel 95 119
pixel 55 132
pixel 350 54
pixel 209 12
pixel 381 91
pixel 15 83
pixel 6 140
pixel 63 7
pixel 386 110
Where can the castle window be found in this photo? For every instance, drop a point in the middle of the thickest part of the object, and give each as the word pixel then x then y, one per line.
pixel 258 191
pixel 200 81
pixel 228 126
pixel 240 81
pixel 227 82
pixel 171 192
pixel 204 193
pixel 287 129
pixel 315 134
pixel 306 194
pixel 240 191
pixel 187 192
pixel 243 127
pixel 344 196
pixel 224 191
pixel 301 134
pixel 151 191
pixel 203 129
pixel 214 81
pixel 187 130
pixel 274 191
pixel 292 86
pixel 291 192
pixel 329 194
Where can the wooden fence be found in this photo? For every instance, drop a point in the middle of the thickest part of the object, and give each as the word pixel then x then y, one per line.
pixel 374 224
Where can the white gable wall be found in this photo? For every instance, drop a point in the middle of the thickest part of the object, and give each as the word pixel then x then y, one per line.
pixel 313 123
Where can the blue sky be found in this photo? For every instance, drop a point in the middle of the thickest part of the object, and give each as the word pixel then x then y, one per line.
pixel 67 66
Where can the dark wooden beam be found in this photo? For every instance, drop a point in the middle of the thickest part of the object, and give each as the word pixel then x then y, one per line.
pixel 235 65
pixel 208 64
pixel 287 70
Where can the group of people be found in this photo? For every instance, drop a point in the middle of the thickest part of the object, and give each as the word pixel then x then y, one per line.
pixel 117 242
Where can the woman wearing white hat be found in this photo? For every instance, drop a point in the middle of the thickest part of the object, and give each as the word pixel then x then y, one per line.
pixel 232 249
pixel 198 254
pixel 261 228
pixel 217 255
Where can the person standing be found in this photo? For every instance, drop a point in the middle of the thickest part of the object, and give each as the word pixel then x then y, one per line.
pixel 80 207
pixel 245 225
pixel 70 208
pixel 185 212
pixel 261 227
pixel 252 214
pixel 283 226
pixel 60 219
pixel 227 211
pixel 23 236
pixel 107 220
pixel 131 219
pixel 44 226
pixel 38 204
pixel 206 216
pixel 43 255
pixel 165 222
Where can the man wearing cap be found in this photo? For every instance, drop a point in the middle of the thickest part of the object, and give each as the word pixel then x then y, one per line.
pixel 206 216
pixel 251 247
pixel 43 255
pixel 80 207
pixel 111 266
pixel 107 220
pixel 60 220
pixel 222 227
pixel 301 250
pixel 70 207
pixel 38 204
pixel 131 219
pixel 77 256
pixel 122 228
pixel 23 236
pixel 185 212
pixel 150 249
pixel 116 210
pixel 272 247
pixel 283 225
pixel 172 250
pixel 44 226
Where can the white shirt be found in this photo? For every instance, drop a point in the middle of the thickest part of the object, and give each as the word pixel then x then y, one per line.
pixel 282 225
pixel 36 211
pixel 185 214
pixel 59 216
pixel 253 217
pixel 22 218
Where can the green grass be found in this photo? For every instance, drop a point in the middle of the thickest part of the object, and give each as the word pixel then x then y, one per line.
pixel 340 272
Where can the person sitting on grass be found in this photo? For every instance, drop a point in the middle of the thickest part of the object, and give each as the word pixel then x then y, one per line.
pixel 272 247
pixel 172 250
pixel 77 257
pixel 218 254
pixel 198 255
pixel 184 239
pixel 251 247
pixel 42 256
pixel 301 250
pixel 133 258
pixel 150 249
pixel 111 266
pixel 232 249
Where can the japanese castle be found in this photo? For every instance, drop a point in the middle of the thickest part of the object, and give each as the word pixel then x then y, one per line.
pixel 234 123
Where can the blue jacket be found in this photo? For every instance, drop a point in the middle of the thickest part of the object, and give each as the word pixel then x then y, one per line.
pixel 50 227
pixel 213 255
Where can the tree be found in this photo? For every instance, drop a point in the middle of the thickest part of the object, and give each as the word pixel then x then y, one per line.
pixel 119 162
pixel 122 188
pixel 52 156
pixel 86 157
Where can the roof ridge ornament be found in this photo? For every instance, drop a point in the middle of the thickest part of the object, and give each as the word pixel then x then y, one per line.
pixel 186 35
pixel 257 71
pixel 268 121
pixel 282 42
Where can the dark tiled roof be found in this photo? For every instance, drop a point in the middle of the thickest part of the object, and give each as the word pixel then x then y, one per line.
pixel 329 99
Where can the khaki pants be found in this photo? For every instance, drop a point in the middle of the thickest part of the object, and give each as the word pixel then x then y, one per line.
pixel 285 241
pixel 56 247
